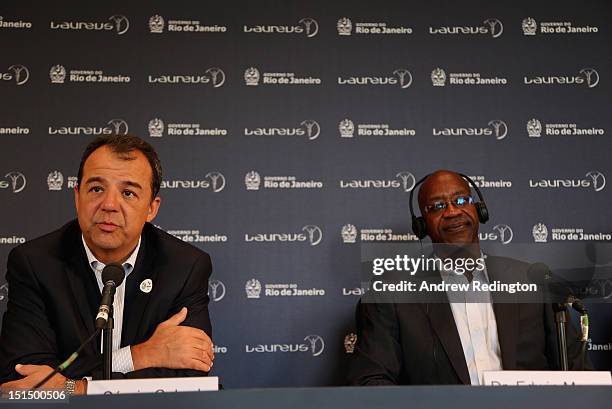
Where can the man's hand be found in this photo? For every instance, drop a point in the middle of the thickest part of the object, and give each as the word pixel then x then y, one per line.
pixel 36 373
pixel 174 346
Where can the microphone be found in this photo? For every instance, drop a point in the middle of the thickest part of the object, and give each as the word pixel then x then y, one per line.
pixel 67 362
pixel 561 289
pixel 112 277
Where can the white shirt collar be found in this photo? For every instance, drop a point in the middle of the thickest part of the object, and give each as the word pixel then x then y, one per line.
pixel 97 266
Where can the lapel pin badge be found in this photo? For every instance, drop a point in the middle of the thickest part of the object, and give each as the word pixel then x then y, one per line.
pixel 146 286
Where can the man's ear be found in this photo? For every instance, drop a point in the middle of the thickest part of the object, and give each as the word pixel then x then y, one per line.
pixel 153 208
pixel 76 198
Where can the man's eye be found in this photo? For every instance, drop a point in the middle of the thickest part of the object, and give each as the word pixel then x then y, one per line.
pixel 439 205
pixel 128 193
pixel 461 201
pixel 96 189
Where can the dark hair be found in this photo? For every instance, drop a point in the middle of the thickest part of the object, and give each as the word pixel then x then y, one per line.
pixel 122 145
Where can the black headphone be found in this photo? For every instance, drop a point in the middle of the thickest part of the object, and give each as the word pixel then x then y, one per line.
pixel 419 227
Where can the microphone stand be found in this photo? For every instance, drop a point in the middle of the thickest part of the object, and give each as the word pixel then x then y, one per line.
pixel 107 350
pixel 577 305
pixel 560 310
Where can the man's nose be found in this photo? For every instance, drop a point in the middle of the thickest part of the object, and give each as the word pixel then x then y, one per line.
pixel 110 202
pixel 452 210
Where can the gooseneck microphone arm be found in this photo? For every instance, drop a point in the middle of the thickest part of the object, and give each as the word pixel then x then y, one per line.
pixel 112 277
pixel 107 354
pixel 68 361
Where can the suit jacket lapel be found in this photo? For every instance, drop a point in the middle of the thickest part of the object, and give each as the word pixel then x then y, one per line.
pixel 136 301
pixel 443 323
pixel 506 315
pixel 83 284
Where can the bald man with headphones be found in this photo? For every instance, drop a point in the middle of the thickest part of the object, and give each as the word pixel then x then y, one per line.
pixel 455 342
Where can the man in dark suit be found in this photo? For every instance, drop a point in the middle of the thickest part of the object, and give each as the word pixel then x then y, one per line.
pixel 442 342
pixel 162 326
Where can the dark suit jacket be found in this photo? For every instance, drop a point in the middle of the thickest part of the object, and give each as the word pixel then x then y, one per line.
pixel 54 297
pixel 418 343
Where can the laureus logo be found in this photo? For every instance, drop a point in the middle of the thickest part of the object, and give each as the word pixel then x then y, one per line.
pixel 534 128
pixel 505 233
pixel 21 73
pixel 217 76
pixel 156 24
pixel 599 180
pixel 591 76
pixel 407 179
pixel 309 128
pixel 313 130
pixel 212 76
pixel 216 290
pixel 500 128
pixel 344 26
pixel 311 27
pixel 496 28
pixel 114 126
pixel 404 76
pixel 317 345
pixel 122 24
pixel 530 27
pixel 18 73
pixel 14 180
pixel 119 126
pixel 308 26
pixel 217 181
pixel 594 179
pixel 491 26
pixel 400 76
pixel 315 235
pixel 119 23
pixel 586 76
pixel 501 233
pixel 496 127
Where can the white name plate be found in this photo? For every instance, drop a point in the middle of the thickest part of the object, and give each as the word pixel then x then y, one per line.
pixel 514 378
pixel 153 385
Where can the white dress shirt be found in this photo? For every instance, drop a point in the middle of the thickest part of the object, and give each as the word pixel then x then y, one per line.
pixel 475 321
pixel 122 357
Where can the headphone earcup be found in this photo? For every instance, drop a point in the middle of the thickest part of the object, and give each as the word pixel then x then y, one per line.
pixel 419 227
pixel 483 212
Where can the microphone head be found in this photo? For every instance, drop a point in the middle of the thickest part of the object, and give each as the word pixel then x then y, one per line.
pixel 113 272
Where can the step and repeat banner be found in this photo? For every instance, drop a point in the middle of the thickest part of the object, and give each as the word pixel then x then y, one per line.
pixel 292 132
